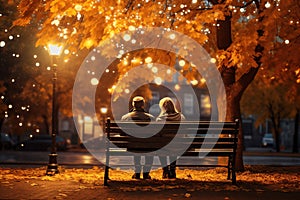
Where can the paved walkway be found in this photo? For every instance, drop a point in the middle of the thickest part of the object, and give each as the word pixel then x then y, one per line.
pixel 37 189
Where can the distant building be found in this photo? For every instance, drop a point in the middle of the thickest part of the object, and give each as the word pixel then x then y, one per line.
pixel 193 102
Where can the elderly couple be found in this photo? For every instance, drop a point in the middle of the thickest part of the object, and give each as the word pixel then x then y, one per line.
pixel 168 113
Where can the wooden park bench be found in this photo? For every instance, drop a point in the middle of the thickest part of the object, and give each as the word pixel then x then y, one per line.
pixel 192 139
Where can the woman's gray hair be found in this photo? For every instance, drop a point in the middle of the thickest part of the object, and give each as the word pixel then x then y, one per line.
pixel 167 105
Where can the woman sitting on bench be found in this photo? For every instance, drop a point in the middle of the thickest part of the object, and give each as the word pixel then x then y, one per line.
pixel 168 113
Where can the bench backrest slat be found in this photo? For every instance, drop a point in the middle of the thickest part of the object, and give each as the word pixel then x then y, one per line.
pixel 221 135
pixel 156 146
pixel 183 139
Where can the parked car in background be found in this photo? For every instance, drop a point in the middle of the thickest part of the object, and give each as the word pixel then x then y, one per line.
pixel 268 140
pixel 6 142
pixel 42 143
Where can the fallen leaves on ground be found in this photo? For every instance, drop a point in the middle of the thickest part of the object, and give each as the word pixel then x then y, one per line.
pixel 254 178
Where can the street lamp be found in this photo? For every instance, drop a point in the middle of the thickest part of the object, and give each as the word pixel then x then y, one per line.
pixel 52 168
pixel 103 111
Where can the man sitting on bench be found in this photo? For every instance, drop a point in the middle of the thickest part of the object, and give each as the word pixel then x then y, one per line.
pixel 138 114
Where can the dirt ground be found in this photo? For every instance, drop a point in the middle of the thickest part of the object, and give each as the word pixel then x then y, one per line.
pixel 256 182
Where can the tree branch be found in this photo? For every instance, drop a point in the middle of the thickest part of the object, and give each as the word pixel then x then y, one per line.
pixel 248 77
pixel 129 4
pixel 215 2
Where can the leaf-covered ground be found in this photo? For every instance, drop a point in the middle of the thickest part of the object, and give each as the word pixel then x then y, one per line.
pixel 257 179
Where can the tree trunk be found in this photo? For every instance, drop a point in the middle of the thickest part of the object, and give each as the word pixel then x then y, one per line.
pixel 233 111
pixel 224 33
pixel 277 139
pixel 275 119
pixel 234 90
pixel 296 132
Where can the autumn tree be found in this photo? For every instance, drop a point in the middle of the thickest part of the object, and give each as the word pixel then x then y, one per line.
pixel 275 96
pixel 26 78
pixel 239 34
pixel 268 102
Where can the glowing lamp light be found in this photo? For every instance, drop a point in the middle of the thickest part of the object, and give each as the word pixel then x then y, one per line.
pixel 131 28
pixel 125 62
pixel 2 44
pixel 54 50
pixel 126 37
pixel 78 7
pixel 158 81
pixel 94 81
pixel 203 80
pixel 177 87
pixel 103 110
pixel 172 36
pixel 181 63
pixel 154 69
pixel 267 5
pixel 194 82
pixel 213 60
pixel 148 60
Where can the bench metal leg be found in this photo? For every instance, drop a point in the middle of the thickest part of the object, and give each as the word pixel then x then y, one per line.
pixel 228 175
pixel 229 167
pixel 233 177
pixel 106 171
pixel 106 175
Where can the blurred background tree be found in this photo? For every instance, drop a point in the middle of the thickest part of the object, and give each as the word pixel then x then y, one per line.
pixel 275 98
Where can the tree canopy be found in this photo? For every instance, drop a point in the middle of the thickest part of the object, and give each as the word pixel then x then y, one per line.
pixel 84 24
